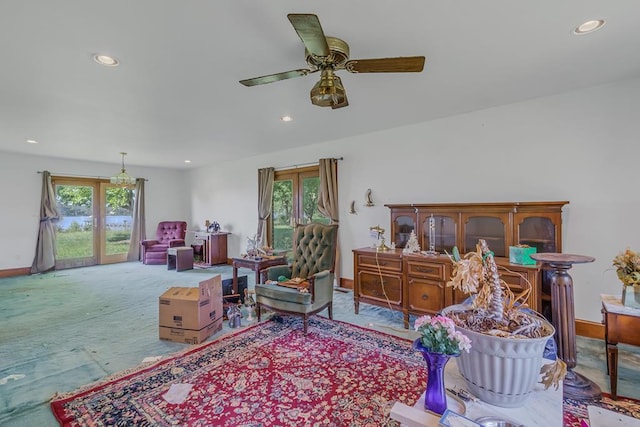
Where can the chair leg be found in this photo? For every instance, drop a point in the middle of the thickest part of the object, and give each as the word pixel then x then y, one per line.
pixel 258 310
pixel 305 319
pixel 330 310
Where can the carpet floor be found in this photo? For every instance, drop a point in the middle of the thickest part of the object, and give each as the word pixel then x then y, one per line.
pixel 66 329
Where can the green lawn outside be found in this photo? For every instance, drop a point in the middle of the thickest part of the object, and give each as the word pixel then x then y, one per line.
pixel 79 244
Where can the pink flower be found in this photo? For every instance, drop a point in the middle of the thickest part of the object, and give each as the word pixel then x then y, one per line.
pixel 439 334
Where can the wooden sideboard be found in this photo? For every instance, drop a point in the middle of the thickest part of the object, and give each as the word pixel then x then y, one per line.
pixel 416 284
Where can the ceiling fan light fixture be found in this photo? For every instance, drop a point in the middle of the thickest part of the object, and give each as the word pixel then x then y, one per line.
pixel 123 178
pixel 328 91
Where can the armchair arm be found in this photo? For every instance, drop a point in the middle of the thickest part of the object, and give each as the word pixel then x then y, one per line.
pixel 272 273
pixel 321 286
pixel 149 242
pixel 176 242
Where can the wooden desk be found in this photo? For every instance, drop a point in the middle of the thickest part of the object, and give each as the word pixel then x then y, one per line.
pixel 620 326
pixel 214 246
pixel 256 265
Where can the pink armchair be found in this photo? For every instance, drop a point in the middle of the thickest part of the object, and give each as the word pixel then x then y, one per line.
pixel 168 235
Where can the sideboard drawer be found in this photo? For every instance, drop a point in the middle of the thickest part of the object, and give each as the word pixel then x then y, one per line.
pixel 425 295
pixel 371 286
pixel 385 263
pixel 430 270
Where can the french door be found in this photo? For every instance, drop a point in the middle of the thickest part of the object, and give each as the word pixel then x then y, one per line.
pixel 294 201
pixel 95 224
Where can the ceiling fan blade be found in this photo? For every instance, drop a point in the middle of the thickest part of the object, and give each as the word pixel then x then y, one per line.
pixel 404 64
pixel 310 31
pixel 275 77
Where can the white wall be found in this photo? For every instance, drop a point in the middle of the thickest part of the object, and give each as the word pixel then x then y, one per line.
pixel 22 187
pixel 581 147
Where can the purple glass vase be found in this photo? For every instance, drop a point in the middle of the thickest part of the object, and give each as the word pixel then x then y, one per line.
pixel 435 398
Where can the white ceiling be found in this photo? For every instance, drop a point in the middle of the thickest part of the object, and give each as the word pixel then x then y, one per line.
pixel 176 94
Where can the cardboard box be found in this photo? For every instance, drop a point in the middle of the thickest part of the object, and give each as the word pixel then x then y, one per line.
pixel 521 255
pixel 191 309
pixel 188 336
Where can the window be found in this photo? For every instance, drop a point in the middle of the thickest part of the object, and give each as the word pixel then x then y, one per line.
pixel 95 224
pixel 294 201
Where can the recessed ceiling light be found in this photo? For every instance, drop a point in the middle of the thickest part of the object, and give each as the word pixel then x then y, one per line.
pixel 589 26
pixel 106 60
pixel 187 161
pixel 31 141
pixel 286 118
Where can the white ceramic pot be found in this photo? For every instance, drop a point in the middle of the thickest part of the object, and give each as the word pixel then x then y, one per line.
pixel 501 371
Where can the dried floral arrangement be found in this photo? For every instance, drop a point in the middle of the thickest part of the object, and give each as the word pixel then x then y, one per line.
pixel 495 309
pixel 627 265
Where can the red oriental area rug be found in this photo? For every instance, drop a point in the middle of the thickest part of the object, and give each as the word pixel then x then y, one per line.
pixel 575 413
pixel 267 375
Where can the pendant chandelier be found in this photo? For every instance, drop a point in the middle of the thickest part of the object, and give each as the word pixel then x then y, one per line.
pixel 123 178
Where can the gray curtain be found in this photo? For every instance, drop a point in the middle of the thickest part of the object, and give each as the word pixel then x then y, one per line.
pixel 328 200
pixel 265 192
pixel 138 232
pixel 45 258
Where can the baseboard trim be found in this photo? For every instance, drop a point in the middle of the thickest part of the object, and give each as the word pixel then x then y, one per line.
pixel 11 272
pixel 346 283
pixel 589 329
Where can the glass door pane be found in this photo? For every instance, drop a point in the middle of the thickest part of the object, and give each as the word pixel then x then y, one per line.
pixel 403 225
pixel 442 237
pixel 76 231
pixel 309 206
pixel 116 213
pixel 539 232
pixel 492 229
pixel 282 215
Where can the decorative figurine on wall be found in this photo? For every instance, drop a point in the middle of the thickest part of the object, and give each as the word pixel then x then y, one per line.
pixel 367 198
pixel 352 208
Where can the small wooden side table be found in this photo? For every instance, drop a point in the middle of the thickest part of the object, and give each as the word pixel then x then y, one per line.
pixel 255 264
pixel 575 385
pixel 620 326
pixel 180 258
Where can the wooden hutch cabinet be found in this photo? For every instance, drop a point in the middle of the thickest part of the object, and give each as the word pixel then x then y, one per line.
pixel 416 283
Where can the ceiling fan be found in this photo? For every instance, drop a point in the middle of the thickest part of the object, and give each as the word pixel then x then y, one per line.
pixel 328 55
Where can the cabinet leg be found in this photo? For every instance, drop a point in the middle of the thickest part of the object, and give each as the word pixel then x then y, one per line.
pixel 356 306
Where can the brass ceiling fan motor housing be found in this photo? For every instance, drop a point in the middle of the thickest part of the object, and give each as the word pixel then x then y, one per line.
pixel 338 56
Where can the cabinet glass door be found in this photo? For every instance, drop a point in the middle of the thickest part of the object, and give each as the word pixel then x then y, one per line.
pixel 403 225
pixel 438 233
pixel 538 232
pixel 493 229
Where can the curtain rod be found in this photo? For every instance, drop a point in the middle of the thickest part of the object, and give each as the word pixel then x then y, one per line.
pixel 79 176
pixel 302 165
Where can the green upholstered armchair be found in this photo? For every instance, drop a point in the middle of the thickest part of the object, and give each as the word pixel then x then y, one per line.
pixel 314 257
